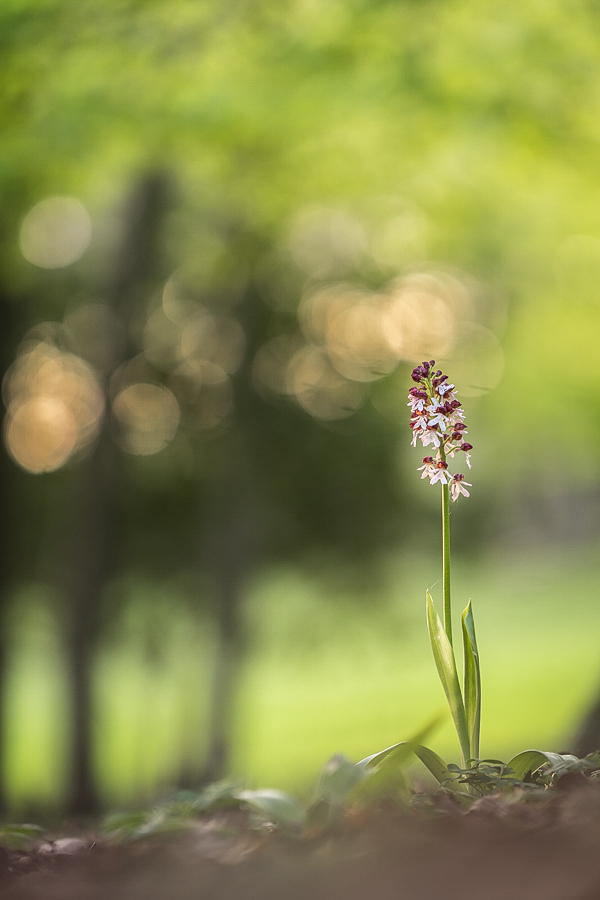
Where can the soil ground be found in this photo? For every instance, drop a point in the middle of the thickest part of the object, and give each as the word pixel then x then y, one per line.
pixel 502 848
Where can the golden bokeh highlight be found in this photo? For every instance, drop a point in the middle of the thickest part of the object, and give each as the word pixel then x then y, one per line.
pixel 160 340
pixel 319 388
pixel 54 406
pixel 55 233
pixel 174 305
pixel 354 335
pixel 423 315
pixel 180 332
pixel 148 415
pixel 207 394
pixel 200 350
pixel 350 323
pixel 208 338
pixel 40 433
pixel 270 365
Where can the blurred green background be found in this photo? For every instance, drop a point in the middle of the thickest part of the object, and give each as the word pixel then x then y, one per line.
pixel 228 230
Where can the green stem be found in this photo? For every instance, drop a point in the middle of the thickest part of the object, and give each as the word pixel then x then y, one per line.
pixel 446 559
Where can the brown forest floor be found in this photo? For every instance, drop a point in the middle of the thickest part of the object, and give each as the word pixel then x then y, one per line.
pixel 501 849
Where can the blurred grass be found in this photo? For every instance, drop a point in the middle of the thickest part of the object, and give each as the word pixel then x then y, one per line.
pixel 325 673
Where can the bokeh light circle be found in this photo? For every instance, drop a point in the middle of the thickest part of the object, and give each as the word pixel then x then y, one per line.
pixel 40 433
pixel 55 232
pixel 149 417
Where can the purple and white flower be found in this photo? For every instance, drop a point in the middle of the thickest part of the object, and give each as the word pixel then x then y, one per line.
pixel 429 436
pixel 421 421
pixel 441 474
pixel 437 420
pixel 459 486
pixel 428 467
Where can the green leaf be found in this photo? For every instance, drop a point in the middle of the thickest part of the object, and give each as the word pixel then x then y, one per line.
pixel 369 762
pixel 401 752
pixel 336 783
pixel 384 771
pixel 16 837
pixel 160 822
pixel 531 760
pixel 472 681
pixel 417 738
pixel 446 666
pixel 218 794
pixel 387 778
pixel 432 761
pixel 337 779
pixel 123 826
pixel 322 814
pixel 27 830
pixel 275 806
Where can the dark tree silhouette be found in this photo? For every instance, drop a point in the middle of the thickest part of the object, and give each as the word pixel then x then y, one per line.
pixel 95 518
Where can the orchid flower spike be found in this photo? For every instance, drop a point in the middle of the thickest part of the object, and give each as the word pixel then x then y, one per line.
pixel 437 420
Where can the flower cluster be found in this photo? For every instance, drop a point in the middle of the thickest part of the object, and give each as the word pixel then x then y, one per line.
pixel 437 420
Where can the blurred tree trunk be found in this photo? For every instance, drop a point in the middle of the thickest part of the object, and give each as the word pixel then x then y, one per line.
pixel 8 530
pixel 94 519
pixel 95 510
pixel 231 551
pixel 234 533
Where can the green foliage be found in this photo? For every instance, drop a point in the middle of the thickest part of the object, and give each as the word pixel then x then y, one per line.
pixel 19 837
pixel 343 785
pixel 529 771
pixel 338 779
pixel 484 776
pixel 547 768
pixel 266 807
pixel 472 681
pixel 273 807
pixel 443 655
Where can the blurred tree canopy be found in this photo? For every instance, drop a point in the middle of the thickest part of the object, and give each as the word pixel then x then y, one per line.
pixel 476 123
